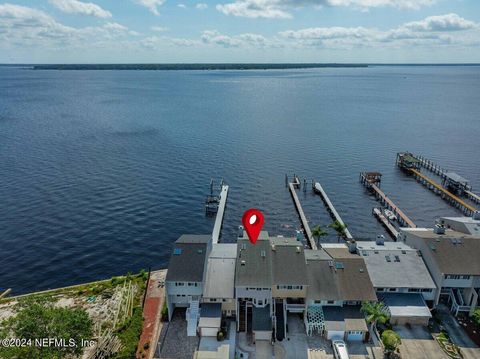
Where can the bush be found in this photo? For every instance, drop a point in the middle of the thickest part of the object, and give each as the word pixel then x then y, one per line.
pixel 39 318
pixel 220 336
pixel 476 317
pixel 129 334
pixel 391 340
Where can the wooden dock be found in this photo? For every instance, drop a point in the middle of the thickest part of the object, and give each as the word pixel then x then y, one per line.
pixel 387 202
pixel 473 197
pixel 317 188
pixel 386 223
pixel 442 173
pixel 303 219
pixel 221 210
pixel 450 197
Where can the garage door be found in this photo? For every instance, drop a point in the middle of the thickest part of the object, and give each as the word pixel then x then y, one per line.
pixel 354 335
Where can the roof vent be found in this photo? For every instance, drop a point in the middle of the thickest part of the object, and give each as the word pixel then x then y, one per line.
pixel 240 231
pixel 273 247
pixel 432 247
pixel 361 270
pixel 243 262
pixel 298 249
pixel 439 229
pixel 263 254
pixel 380 240
pixel 330 263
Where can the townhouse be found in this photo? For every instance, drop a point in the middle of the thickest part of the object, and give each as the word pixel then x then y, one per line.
pixel 451 251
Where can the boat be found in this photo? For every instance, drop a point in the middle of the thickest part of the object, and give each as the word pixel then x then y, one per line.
pixel 390 215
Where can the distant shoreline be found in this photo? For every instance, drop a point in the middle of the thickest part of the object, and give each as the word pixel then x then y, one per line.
pixel 219 66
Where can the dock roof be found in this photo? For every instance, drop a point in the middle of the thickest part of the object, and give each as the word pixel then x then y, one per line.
pixel 187 261
pixel 455 177
pixel 385 262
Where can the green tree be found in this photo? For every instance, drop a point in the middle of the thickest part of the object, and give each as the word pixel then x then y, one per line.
pixel 391 340
pixel 41 319
pixel 339 228
pixel 476 317
pixel 375 313
pixel 318 232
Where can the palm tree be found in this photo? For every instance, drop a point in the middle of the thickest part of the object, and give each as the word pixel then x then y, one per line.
pixel 340 228
pixel 375 313
pixel 318 232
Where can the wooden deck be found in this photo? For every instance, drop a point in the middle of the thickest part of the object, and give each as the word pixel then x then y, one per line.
pixel 459 203
pixel 303 219
pixel 387 202
pixel 221 210
pixel 331 209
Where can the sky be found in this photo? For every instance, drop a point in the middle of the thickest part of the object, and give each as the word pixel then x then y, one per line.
pixel 196 31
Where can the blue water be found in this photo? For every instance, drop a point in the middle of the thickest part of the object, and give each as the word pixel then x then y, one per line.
pixel 100 171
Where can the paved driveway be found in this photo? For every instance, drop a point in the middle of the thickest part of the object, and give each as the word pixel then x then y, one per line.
pixel 457 335
pixel 418 343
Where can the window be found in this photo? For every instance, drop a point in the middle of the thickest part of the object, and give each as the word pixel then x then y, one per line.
pixel 465 277
pixel 179 284
pixel 380 289
pixel 330 302
pixel 413 290
pixel 191 284
pixel 392 289
pixel 426 290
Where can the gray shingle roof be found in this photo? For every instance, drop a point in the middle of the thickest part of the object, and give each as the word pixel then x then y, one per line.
pixel 288 263
pixel 251 268
pixel 187 261
pixel 345 277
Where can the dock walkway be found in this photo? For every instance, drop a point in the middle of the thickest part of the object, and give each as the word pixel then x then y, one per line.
pixel 317 188
pixel 303 219
pixel 387 202
pixel 437 188
pixel 386 223
pixel 221 210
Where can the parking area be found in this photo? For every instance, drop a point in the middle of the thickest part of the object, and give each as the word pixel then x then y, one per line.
pixel 174 342
pixel 417 342
pixel 297 345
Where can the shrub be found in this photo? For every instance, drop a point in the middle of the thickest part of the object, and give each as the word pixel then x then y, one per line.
pixel 391 340
pixel 476 317
pixel 220 336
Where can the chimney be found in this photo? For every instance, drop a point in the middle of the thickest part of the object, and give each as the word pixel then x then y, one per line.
pixel 240 231
pixel 352 246
pixel 380 240
pixel 439 229
pixel 476 215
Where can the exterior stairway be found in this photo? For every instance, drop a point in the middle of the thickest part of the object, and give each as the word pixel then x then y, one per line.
pixel 193 313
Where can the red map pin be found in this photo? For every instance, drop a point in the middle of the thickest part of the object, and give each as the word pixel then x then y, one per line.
pixel 253 222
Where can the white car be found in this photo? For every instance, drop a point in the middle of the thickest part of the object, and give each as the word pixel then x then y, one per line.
pixel 340 349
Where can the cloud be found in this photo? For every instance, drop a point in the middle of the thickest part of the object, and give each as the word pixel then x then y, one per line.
pixel 201 6
pixel 159 28
pixel 182 6
pixel 448 22
pixel 433 29
pixel 79 7
pixel 242 40
pixel 28 27
pixel 280 8
pixel 151 5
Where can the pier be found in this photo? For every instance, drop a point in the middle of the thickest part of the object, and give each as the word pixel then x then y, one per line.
pixel 317 188
pixel 448 196
pixel 220 212
pixel 377 212
pixel 370 180
pixel 450 180
pixel 299 208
